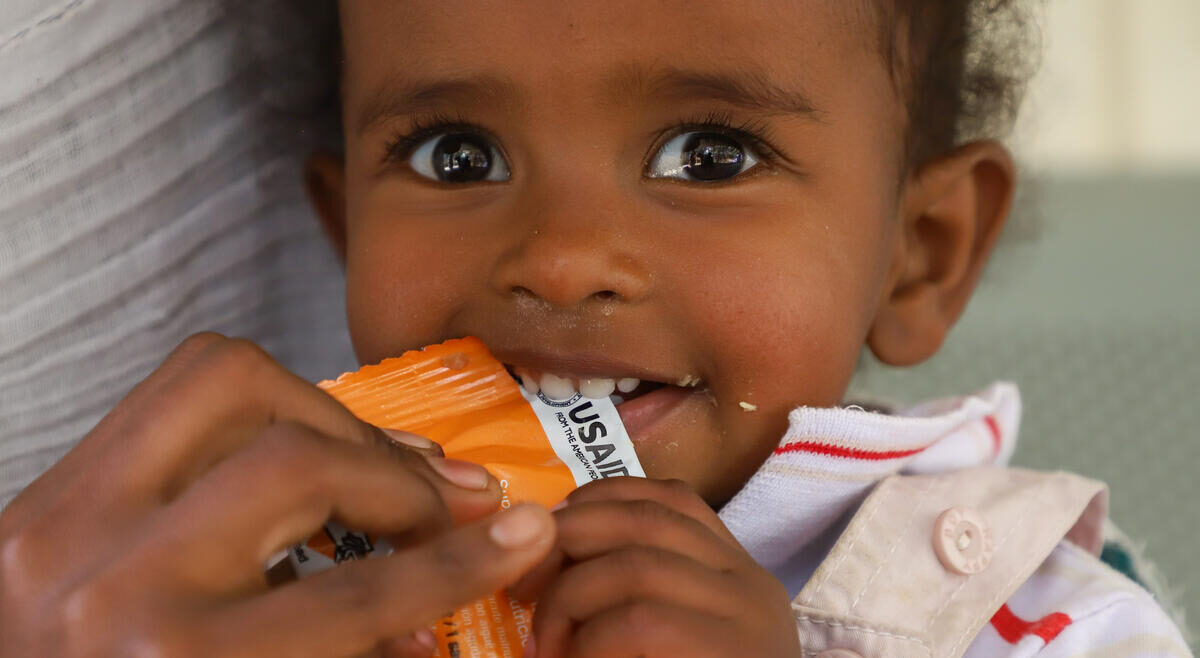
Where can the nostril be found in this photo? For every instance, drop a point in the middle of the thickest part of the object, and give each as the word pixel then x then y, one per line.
pixel 529 300
pixel 527 296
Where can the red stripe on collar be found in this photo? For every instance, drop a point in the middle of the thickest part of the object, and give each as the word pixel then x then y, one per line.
pixel 845 451
pixel 1012 628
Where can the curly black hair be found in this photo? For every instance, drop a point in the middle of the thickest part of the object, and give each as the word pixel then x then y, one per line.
pixel 961 67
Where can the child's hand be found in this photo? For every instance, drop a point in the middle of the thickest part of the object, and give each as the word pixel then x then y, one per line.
pixel 149 538
pixel 651 571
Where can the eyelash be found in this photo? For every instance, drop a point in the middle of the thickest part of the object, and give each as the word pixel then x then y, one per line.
pixel 756 134
pixel 400 147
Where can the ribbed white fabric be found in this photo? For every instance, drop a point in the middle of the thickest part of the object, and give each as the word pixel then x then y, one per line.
pixel 794 508
pixel 830 458
pixel 149 188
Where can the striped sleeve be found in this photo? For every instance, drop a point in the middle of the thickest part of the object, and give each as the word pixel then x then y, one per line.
pixel 1076 606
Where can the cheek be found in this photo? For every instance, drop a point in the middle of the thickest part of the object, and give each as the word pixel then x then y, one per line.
pixel 791 343
pixel 404 281
pixel 790 309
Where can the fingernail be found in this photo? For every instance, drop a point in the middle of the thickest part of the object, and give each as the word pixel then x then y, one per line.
pixel 425 638
pixel 463 474
pixel 518 526
pixel 559 506
pixel 530 648
pixel 411 440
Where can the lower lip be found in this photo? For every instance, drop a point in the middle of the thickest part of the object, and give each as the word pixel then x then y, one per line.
pixel 639 414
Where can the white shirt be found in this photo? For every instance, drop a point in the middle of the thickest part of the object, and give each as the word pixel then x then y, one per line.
pixel 793 509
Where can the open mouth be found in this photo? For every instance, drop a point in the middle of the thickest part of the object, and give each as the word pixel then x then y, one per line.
pixel 640 402
pixel 558 386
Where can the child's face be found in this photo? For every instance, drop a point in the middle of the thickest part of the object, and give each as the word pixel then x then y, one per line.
pixel 570 257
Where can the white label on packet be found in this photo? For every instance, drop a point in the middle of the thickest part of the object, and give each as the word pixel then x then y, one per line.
pixel 587 435
pixel 342 545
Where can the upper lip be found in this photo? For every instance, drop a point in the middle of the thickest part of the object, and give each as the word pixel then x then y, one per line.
pixel 582 365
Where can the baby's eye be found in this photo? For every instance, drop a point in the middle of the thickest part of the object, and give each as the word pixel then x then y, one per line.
pixel 702 156
pixel 459 158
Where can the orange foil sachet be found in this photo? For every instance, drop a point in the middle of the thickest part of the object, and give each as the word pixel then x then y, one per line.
pixel 459 395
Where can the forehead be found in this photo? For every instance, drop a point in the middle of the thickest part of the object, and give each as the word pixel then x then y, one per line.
pixel 591 51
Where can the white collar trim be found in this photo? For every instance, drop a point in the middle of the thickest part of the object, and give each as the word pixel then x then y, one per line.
pixel 830 458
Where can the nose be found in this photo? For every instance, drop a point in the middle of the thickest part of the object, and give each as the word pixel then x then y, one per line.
pixel 571 259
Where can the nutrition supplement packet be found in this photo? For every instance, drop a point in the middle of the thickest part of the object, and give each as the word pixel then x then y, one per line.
pixel 459 395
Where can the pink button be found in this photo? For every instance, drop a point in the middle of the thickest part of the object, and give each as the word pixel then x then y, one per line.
pixel 963 541
pixel 838 653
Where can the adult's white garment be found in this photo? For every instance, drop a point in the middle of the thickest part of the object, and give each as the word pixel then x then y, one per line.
pixel 150 169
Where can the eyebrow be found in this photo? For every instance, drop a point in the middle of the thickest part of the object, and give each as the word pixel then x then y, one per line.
pixel 408 97
pixel 751 90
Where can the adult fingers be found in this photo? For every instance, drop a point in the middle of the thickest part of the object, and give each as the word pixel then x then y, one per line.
pixel 73 537
pixel 213 395
pixel 415 442
pixel 71 517
pixel 231 391
pixel 623 577
pixel 76 470
pixel 351 609
pixel 281 488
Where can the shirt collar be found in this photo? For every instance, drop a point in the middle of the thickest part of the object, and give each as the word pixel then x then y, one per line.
pixel 830 459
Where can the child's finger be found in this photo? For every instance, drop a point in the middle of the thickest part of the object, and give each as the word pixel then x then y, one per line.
pixel 628 575
pixel 592 528
pixel 589 529
pixel 653 629
pixel 530 586
pixel 674 494
pixel 280 489
pixel 420 644
pixel 352 608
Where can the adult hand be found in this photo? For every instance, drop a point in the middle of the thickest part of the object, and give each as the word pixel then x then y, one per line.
pixel 649 570
pixel 150 536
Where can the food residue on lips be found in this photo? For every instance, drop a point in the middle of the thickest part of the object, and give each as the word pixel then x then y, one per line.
pixel 688 381
pixel 746 406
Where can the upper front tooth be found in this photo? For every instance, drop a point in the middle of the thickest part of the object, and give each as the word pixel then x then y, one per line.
pixel 627 384
pixel 557 388
pixel 528 381
pixel 597 389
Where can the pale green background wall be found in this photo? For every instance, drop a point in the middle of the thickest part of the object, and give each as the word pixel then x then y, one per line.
pixel 1098 320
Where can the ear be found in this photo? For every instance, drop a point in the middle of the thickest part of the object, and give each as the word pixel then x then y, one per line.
pixel 325 180
pixel 952 213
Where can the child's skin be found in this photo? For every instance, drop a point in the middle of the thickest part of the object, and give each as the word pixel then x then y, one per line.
pixel 765 284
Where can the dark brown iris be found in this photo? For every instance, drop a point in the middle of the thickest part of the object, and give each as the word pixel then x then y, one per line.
pixel 461 158
pixel 710 156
